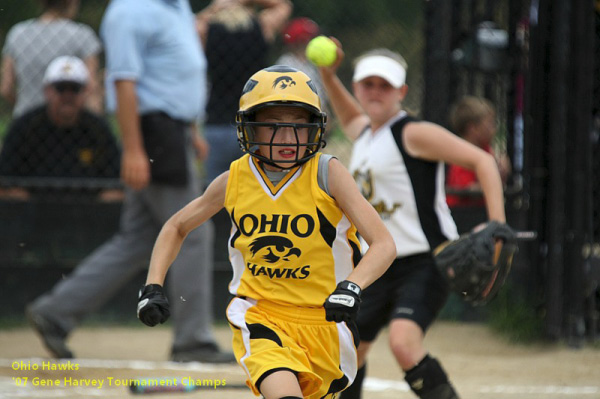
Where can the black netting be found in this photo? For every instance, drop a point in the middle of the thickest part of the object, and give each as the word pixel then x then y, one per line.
pixel 360 26
pixel 545 85
pixel 596 138
pixel 56 142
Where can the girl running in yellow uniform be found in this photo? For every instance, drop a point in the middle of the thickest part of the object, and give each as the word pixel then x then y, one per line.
pixel 297 266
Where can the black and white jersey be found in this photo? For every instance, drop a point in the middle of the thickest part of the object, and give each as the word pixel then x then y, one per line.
pixel 407 192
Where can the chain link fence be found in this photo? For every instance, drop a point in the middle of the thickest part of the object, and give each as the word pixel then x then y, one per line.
pixel 360 26
pixel 537 61
pixel 81 164
pixel 52 205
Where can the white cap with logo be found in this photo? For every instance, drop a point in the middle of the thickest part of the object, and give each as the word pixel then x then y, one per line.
pixel 66 69
pixel 381 66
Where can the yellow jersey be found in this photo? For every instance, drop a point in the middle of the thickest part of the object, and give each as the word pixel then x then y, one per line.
pixel 290 243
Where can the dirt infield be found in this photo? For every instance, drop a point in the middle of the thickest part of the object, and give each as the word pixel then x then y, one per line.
pixel 481 364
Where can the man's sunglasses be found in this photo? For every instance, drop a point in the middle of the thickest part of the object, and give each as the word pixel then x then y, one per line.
pixel 63 87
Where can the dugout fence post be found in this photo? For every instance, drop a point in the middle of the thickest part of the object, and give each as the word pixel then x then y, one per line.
pixel 579 184
pixel 558 69
pixel 535 145
pixel 516 196
pixel 436 98
pixel 593 304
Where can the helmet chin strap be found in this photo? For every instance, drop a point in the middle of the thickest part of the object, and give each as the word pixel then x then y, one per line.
pixel 298 162
pixel 279 166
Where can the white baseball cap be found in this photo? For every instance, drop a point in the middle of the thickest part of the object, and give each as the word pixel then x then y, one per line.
pixel 66 69
pixel 382 66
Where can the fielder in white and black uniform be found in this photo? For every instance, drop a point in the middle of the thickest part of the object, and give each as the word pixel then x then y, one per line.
pixel 398 164
pixel 408 193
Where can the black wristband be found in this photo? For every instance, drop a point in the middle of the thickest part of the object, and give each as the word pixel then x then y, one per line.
pixel 350 286
pixel 147 289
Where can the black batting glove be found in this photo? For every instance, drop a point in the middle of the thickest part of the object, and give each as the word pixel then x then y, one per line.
pixel 153 306
pixel 343 303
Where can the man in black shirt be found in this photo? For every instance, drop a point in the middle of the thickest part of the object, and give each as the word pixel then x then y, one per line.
pixel 60 139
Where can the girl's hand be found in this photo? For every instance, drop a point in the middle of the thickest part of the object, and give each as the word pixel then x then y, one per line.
pixel 332 69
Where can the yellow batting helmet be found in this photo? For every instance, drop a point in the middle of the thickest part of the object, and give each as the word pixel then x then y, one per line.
pixel 280 85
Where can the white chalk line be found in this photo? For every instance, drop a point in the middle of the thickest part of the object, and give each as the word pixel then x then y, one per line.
pixel 547 390
pixel 9 390
pixel 378 385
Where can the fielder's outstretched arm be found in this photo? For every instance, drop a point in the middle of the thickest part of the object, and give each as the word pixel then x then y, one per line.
pixel 430 141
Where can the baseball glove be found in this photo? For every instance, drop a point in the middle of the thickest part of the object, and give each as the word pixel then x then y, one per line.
pixel 477 263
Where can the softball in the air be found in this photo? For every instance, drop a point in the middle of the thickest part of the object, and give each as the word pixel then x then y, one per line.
pixel 321 51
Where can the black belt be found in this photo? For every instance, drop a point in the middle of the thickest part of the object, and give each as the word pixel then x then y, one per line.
pixel 162 115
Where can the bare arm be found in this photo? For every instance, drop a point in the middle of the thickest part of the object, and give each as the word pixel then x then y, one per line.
pixel 203 20
pixel 200 144
pixel 273 16
pixel 94 99
pixel 347 110
pixel 434 143
pixel 135 166
pixel 382 249
pixel 15 193
pixel 175 230
pixel 7 84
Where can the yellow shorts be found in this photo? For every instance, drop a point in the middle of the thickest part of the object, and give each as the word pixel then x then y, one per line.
pixel 269 336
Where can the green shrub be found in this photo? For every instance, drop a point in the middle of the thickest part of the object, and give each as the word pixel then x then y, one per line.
pixel 515 317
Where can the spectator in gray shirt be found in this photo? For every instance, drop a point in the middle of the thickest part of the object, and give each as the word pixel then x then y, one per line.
pixel 31 45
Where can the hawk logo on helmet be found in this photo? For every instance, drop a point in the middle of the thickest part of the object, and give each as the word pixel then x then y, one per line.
pixel 285 81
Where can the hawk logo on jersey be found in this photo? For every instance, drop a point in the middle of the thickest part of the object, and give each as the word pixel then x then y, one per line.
pixel 284 82
pixel 273 248
pixel 383 210
pixel 268 248
pixel 365 183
